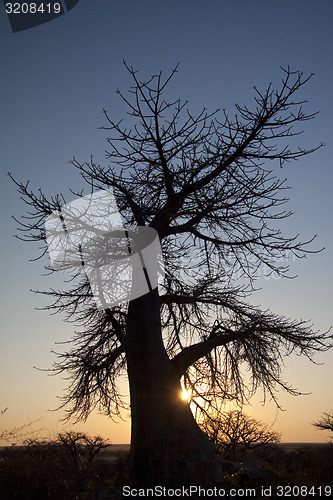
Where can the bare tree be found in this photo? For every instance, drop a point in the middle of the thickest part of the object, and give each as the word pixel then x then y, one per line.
pixel 202 182
pixel 325 423
pixel 234 432
pixel 17 434
pixel 81 449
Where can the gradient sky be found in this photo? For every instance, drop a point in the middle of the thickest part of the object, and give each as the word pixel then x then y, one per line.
pixel 56 79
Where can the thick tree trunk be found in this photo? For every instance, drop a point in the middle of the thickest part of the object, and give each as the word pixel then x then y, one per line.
pixel 167 446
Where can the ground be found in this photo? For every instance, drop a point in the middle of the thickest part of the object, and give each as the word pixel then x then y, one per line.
pixel 46 472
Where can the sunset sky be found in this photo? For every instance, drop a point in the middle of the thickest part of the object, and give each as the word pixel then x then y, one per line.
pixel 57 77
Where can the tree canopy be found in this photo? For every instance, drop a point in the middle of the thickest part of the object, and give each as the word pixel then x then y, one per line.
pixel 210 185
pixel 325 423
pixel 234 432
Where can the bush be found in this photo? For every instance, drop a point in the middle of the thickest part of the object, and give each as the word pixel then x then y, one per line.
pixel 62 468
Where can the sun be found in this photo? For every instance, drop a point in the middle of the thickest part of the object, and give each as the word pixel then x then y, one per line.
pixel 185 396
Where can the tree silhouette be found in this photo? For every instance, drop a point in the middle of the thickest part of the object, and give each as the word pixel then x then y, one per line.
pixel 202 182
pixel 325 423
pixel 16 434
pixel 234 432
pixel 81 449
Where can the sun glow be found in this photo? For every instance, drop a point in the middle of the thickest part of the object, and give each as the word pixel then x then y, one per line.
pixel 185 396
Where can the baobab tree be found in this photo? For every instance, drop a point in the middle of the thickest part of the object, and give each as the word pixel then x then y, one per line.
pixel 208 184
pixel 235 433
pixel 325 423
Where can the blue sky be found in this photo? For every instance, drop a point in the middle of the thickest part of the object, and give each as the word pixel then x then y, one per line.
pixel 56 79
